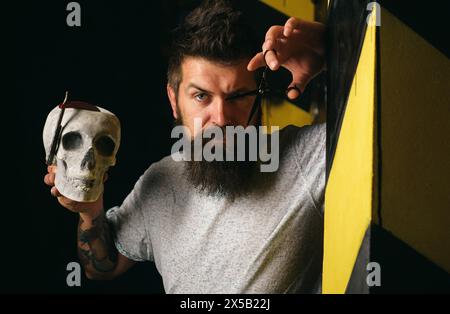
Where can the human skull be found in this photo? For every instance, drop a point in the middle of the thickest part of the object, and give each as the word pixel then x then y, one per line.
pixel 87 147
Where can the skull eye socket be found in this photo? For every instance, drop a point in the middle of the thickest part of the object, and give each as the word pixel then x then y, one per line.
pixel 72 140
pixel 105 145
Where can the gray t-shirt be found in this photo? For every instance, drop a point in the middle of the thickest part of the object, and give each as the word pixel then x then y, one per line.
pixel 268 241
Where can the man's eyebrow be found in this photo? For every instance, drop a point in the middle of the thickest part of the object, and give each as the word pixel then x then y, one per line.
pixel 239 91
pixel 242 92
pixel 192 85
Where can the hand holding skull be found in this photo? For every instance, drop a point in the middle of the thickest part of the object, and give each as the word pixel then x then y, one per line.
pixel 87 147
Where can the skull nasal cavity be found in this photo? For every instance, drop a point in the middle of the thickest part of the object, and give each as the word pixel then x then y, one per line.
pixel 88 160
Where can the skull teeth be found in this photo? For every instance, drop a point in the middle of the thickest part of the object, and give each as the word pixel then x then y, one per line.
pixel 82 184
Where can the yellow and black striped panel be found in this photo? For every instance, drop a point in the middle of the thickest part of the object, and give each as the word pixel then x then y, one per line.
pixel 387 196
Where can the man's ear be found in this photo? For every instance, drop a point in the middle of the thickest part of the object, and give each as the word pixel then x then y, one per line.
pixel 173 100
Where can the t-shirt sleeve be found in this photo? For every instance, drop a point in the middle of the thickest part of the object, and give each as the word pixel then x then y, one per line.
pixel 310 152
pixel 128 222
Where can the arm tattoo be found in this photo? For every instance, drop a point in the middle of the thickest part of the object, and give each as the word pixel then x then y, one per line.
pixel 95 246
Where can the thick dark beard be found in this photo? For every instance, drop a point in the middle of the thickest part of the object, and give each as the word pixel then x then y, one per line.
pixel 221 178
pixel 229 179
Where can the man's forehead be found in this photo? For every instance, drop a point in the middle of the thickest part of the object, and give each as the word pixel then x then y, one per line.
pixel 196 70
pixel 202 64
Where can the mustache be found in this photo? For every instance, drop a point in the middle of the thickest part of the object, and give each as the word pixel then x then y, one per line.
pixel 204 140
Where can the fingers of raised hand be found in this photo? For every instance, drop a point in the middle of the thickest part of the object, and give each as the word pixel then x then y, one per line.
pixel 290 25
pixel 271 59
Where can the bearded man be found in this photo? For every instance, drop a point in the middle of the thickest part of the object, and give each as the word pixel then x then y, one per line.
pixel 221 226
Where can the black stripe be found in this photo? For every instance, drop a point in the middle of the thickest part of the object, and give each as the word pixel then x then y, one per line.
pixel 357 282
pixel 346 29
pixel 403 269
pixel 428 19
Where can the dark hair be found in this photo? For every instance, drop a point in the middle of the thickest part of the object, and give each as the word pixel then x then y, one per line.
pixel 215 31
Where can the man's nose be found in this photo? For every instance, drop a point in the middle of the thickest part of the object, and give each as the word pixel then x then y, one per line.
pixel 219 115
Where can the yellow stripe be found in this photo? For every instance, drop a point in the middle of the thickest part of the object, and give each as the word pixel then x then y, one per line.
pixel 348 197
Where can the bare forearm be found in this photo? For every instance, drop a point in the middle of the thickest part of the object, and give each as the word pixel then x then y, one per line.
pixel 96 248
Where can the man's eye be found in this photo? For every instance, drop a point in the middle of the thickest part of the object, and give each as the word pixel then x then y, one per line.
pixel 236 98
pixel 201 97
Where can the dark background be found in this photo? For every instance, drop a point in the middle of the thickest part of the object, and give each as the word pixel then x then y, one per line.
pixel 117 60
